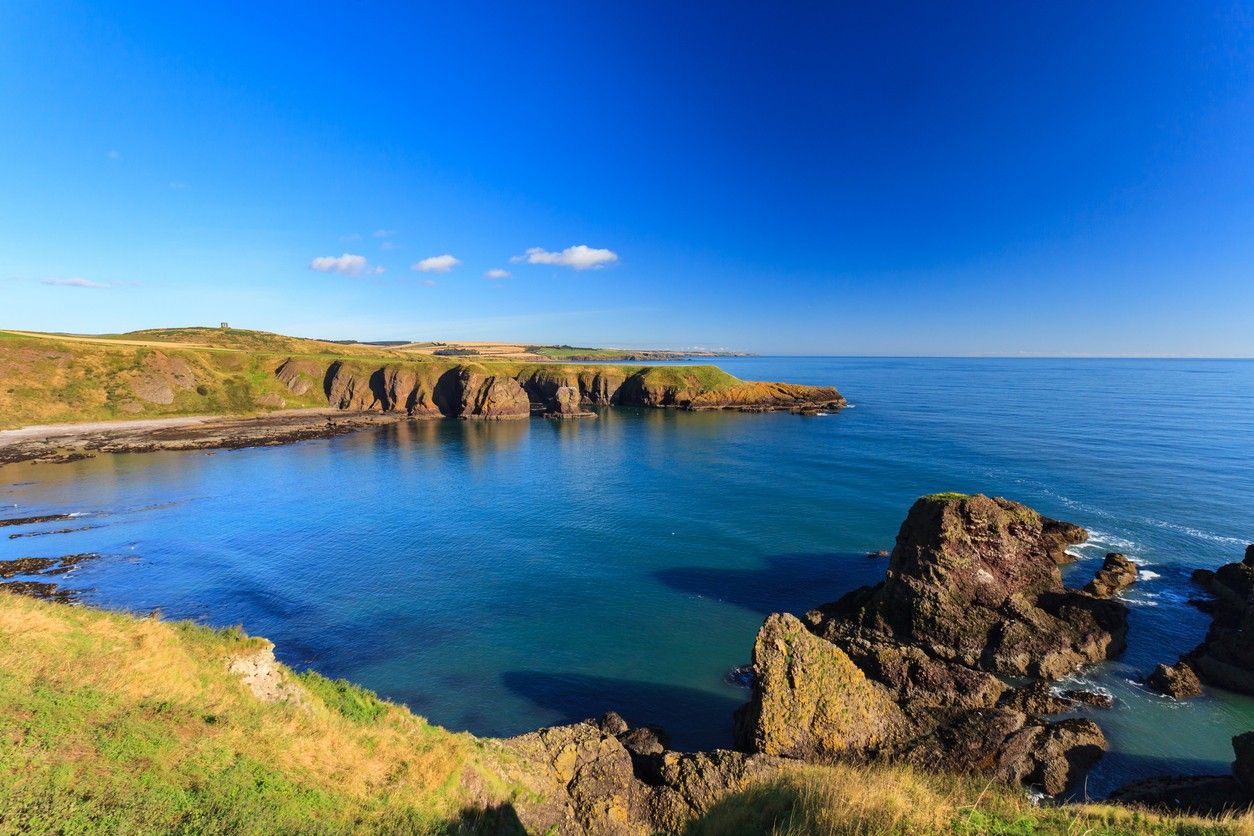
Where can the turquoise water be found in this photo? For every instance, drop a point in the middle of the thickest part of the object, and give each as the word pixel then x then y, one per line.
pixel 498 577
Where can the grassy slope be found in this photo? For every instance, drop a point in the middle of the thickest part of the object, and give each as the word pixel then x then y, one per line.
pixel 110 723
pixel 49 379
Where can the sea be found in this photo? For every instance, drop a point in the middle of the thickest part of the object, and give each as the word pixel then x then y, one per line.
pixel 500 576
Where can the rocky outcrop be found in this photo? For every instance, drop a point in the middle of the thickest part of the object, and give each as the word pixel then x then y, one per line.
pixel 300 376
pixel 480 391
pixel 910 669
pixel 160 376
pixel 1178 680
pixel 1226 657
pixel 604 777
pixel 489 396
pixel 1208 795
pixel 261 674
pixel 1014 748
pixel 1117 574
pixel 810 701
pixel 975 581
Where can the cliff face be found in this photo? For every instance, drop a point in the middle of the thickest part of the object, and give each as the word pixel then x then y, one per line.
pixel 488 391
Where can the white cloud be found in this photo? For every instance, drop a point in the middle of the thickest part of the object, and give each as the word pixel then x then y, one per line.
pixel 428 282
pixel 352 236
pixel 348 264
pixel 383 233
pixel 113 154
pixel 389 245
pixel 497 273
pixel 578 257
pixel 74 281
pixel 436 264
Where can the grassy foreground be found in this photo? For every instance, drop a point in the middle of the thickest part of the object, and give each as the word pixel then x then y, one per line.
pixel 115 724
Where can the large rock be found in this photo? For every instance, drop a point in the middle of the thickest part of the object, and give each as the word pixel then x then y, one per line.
pixel 491 396
pixel 911 669
pixel 1117 574
pixel 1226 657
pixel 585 778
pixel 1178 680
pixel 1014 748
pixel 810 701
pixel 975 580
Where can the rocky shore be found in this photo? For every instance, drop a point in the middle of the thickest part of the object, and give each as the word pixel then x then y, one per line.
pixel 354 394
pixel 947 665
pixel 71 442
pixel 915 670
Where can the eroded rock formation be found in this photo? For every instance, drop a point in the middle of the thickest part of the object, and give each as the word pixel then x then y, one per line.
pixel 910 669
pixel 481 391
pixel 974 580
pixel 604 777
pixel 1226 657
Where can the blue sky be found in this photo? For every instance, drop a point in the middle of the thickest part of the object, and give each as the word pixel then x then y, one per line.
pixel 834 178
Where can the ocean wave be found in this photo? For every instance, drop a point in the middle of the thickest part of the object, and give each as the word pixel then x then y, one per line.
pixel 1192 532
pixel 1147 575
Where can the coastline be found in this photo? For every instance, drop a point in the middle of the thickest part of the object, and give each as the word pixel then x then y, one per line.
pixel 55 443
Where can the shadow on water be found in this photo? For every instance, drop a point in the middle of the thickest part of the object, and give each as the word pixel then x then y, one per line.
pixel 786 583
pixel 684 712
pixel 1116 769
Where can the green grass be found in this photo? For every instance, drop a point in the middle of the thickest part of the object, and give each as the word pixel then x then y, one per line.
pixel 115 724
pixel 54 379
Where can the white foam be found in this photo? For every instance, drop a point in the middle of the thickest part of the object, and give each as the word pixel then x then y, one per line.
pixel 1147 575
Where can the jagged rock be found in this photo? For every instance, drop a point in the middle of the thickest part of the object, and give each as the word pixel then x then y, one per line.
pixel 810 700
pixel 1093 699
pixel 690 783
pixel 1226 657
pixel 975 580
pixel 1178 680
pixel 909 668
pixel 1117 574
pixel 583 779
pixel 566 400
pixel 491 396
pixel 1011 747
pixel 1037 698
pixel 928 689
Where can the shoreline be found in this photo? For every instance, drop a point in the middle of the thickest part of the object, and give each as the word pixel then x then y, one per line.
pixel 59 443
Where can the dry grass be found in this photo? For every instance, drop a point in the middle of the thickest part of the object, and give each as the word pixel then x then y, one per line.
pixel 851 801
pixel 112 723
pixel 116 724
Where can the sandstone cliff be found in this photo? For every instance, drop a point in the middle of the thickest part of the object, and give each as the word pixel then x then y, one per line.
pixel 512 391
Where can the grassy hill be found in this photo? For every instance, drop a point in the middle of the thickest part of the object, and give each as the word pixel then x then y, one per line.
pixel 111 723
pixel 62 378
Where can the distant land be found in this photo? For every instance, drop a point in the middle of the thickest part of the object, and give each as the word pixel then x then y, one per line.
pixel 532 353
pixel 157 389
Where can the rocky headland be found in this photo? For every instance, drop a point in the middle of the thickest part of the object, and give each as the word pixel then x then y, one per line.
pixel 77 397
